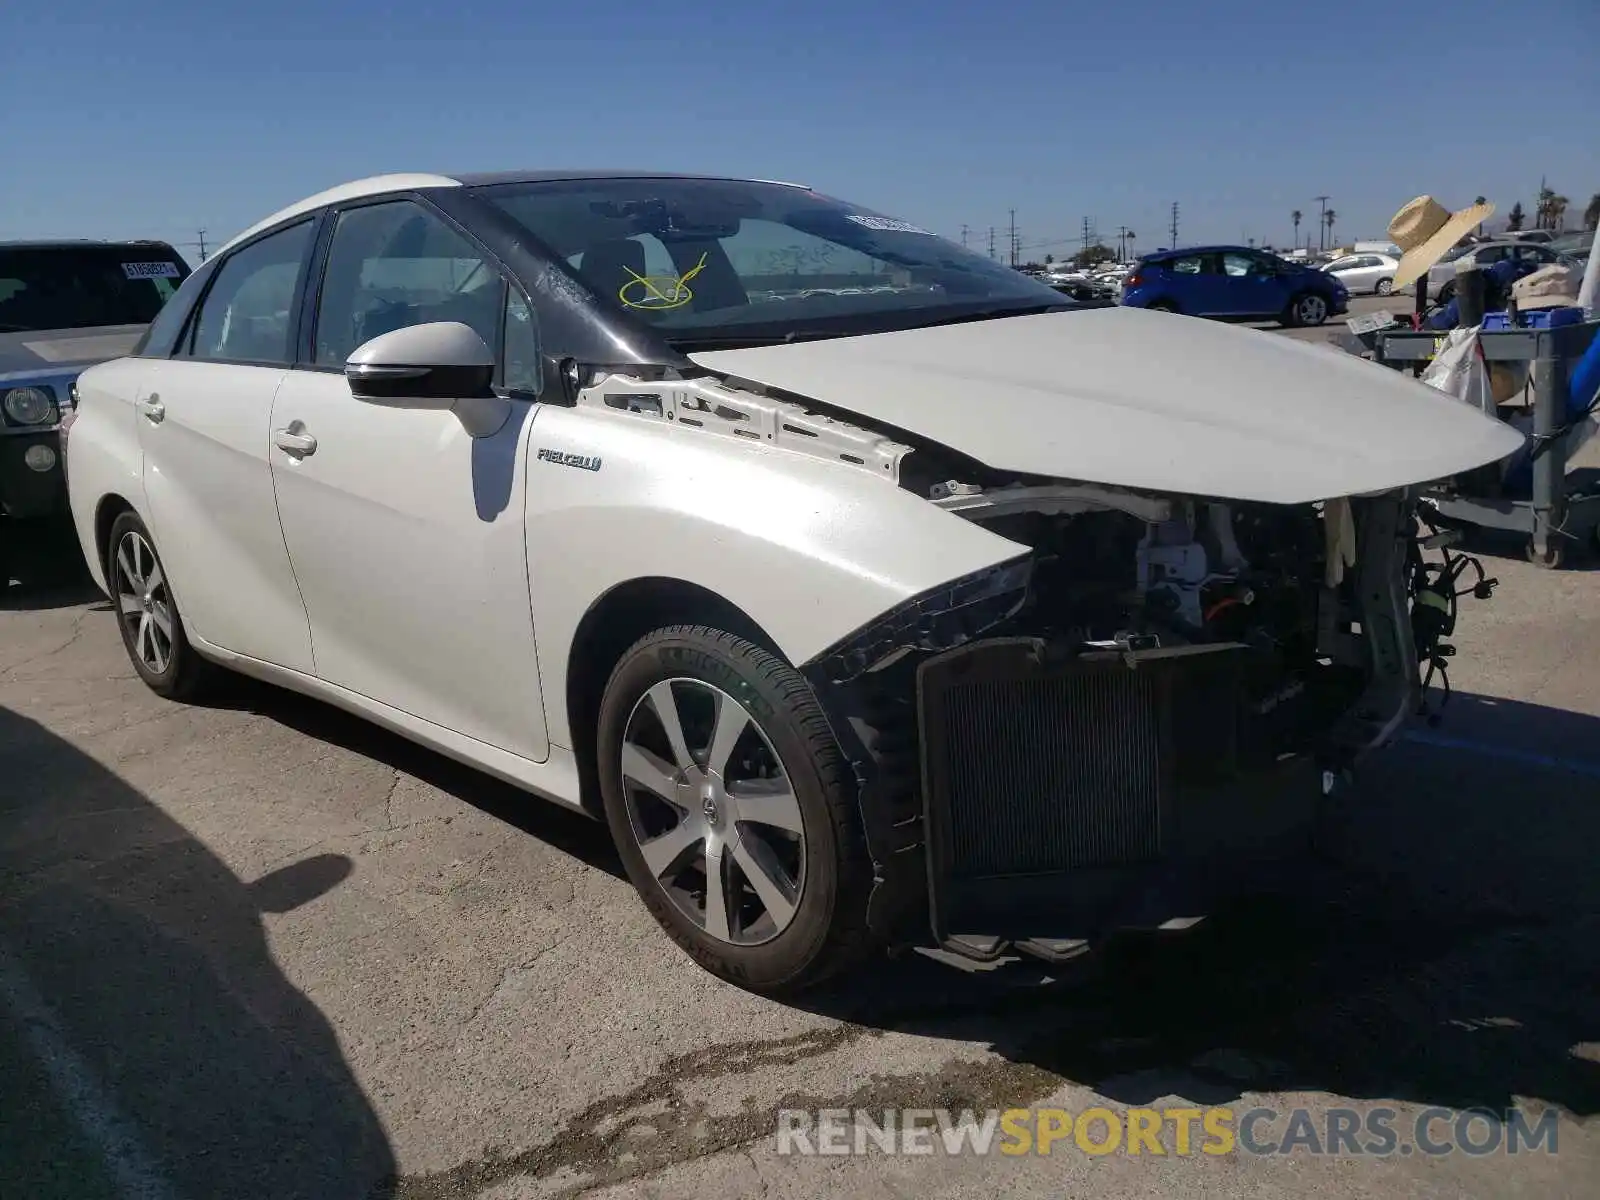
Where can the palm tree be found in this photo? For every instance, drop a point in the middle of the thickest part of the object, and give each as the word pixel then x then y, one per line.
pixel 1328 218
pixel 1295 217
pixel 1591 215
pixel 1476 201
pixel 1541 211
pixel 1558 211
pixel 1130 235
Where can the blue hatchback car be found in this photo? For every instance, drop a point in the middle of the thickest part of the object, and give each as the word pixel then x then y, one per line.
pixel 1234 283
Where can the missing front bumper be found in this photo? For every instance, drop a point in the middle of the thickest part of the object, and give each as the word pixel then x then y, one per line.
pixel 1069 795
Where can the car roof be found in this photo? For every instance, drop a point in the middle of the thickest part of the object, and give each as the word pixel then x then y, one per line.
pixel 377 185
pixel 79 243
pixel 1220 247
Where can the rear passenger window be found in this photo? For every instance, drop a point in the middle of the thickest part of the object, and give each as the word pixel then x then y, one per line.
pixel 246 316
pixel 1186 266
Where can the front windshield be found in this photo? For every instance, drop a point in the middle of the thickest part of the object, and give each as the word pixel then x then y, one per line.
pixel 79 287
pixel 712 262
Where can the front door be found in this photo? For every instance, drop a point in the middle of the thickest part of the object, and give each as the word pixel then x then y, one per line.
pixel 1252 287
pixel 406 533
pixel 204 418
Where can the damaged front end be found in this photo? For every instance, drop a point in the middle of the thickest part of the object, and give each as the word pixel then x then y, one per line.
pixel 1151 698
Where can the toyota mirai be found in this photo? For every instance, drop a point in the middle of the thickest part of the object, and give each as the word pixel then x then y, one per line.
pixel 872 593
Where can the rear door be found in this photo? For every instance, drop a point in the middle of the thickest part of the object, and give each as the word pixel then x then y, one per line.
pixel 1195 283
pixel 204 417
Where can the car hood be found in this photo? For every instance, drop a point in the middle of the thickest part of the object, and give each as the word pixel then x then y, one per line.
pixel 63 351
pixel 1144 400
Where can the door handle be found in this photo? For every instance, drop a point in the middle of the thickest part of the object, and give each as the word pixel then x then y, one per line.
pixel 152 408
pixel 297 444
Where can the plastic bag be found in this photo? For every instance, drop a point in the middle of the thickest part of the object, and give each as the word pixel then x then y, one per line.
pixel 1458 369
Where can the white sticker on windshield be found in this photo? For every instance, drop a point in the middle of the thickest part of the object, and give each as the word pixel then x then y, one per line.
pixel 150 270
pixel 886 224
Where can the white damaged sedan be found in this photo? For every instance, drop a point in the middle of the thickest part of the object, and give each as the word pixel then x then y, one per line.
pixel 872 592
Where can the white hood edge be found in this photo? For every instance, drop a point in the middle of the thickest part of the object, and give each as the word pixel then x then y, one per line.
pixel 1142 400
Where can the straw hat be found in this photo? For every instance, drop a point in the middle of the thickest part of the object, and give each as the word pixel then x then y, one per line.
pixel 1424 230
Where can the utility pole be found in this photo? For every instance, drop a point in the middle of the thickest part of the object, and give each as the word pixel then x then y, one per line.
pixel 991 241
pixel 1013 237
pixel 1174 245
pixel 1086 235
pixel 1322 223
pixel 202 245
pixel 963 237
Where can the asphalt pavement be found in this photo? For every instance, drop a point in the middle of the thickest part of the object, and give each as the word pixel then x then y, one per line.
pixel 263 949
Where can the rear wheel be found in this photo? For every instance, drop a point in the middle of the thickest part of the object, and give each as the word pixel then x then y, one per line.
pixel 147 615
pixel 1385 286
pixel 1164 306
pixel 733 808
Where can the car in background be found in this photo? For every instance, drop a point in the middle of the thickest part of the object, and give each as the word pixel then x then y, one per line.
pixel 1575 246
pixel 1234 283
pixel 1535 236
pixel 64 305
pixel 1528 255
pixel 1365 274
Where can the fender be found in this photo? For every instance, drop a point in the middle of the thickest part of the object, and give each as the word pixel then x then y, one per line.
pixel 109 463
pixel 811 550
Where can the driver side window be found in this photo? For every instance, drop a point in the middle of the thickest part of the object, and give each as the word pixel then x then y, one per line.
pixel 394 265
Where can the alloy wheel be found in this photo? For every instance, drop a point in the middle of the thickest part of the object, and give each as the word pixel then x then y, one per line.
pixel 144 605
pixel 1312 310
pixel 713 811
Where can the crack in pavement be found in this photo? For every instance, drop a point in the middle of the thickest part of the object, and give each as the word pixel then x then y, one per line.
pixel 505 978
pixel 72 640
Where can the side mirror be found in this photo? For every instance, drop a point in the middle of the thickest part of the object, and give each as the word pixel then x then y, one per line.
pixel 439 365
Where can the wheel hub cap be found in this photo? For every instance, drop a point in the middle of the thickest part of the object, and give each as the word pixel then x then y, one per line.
pixel 712 811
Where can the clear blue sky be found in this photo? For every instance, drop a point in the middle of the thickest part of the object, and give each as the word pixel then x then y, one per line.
pixel 159 117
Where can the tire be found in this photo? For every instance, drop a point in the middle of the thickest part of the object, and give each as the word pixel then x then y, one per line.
pixel 807 919
pixel 1305 310
pixel 140 598
pixel 1385 287
pixel 1166 306
pixel 1551 559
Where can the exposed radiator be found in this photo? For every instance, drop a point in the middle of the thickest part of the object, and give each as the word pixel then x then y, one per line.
pixel 1036 767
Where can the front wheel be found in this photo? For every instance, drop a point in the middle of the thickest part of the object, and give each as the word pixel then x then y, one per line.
pixel 733 808
pixel 1306 309
pixel 147 615
pixel 1385 286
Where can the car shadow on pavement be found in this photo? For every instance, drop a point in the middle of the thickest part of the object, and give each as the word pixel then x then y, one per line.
pixel 156 1047
pixel 572 833
pixel 47 576
pixel 1446 951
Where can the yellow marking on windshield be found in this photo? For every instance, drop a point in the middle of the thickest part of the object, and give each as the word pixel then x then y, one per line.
pixel 655 293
